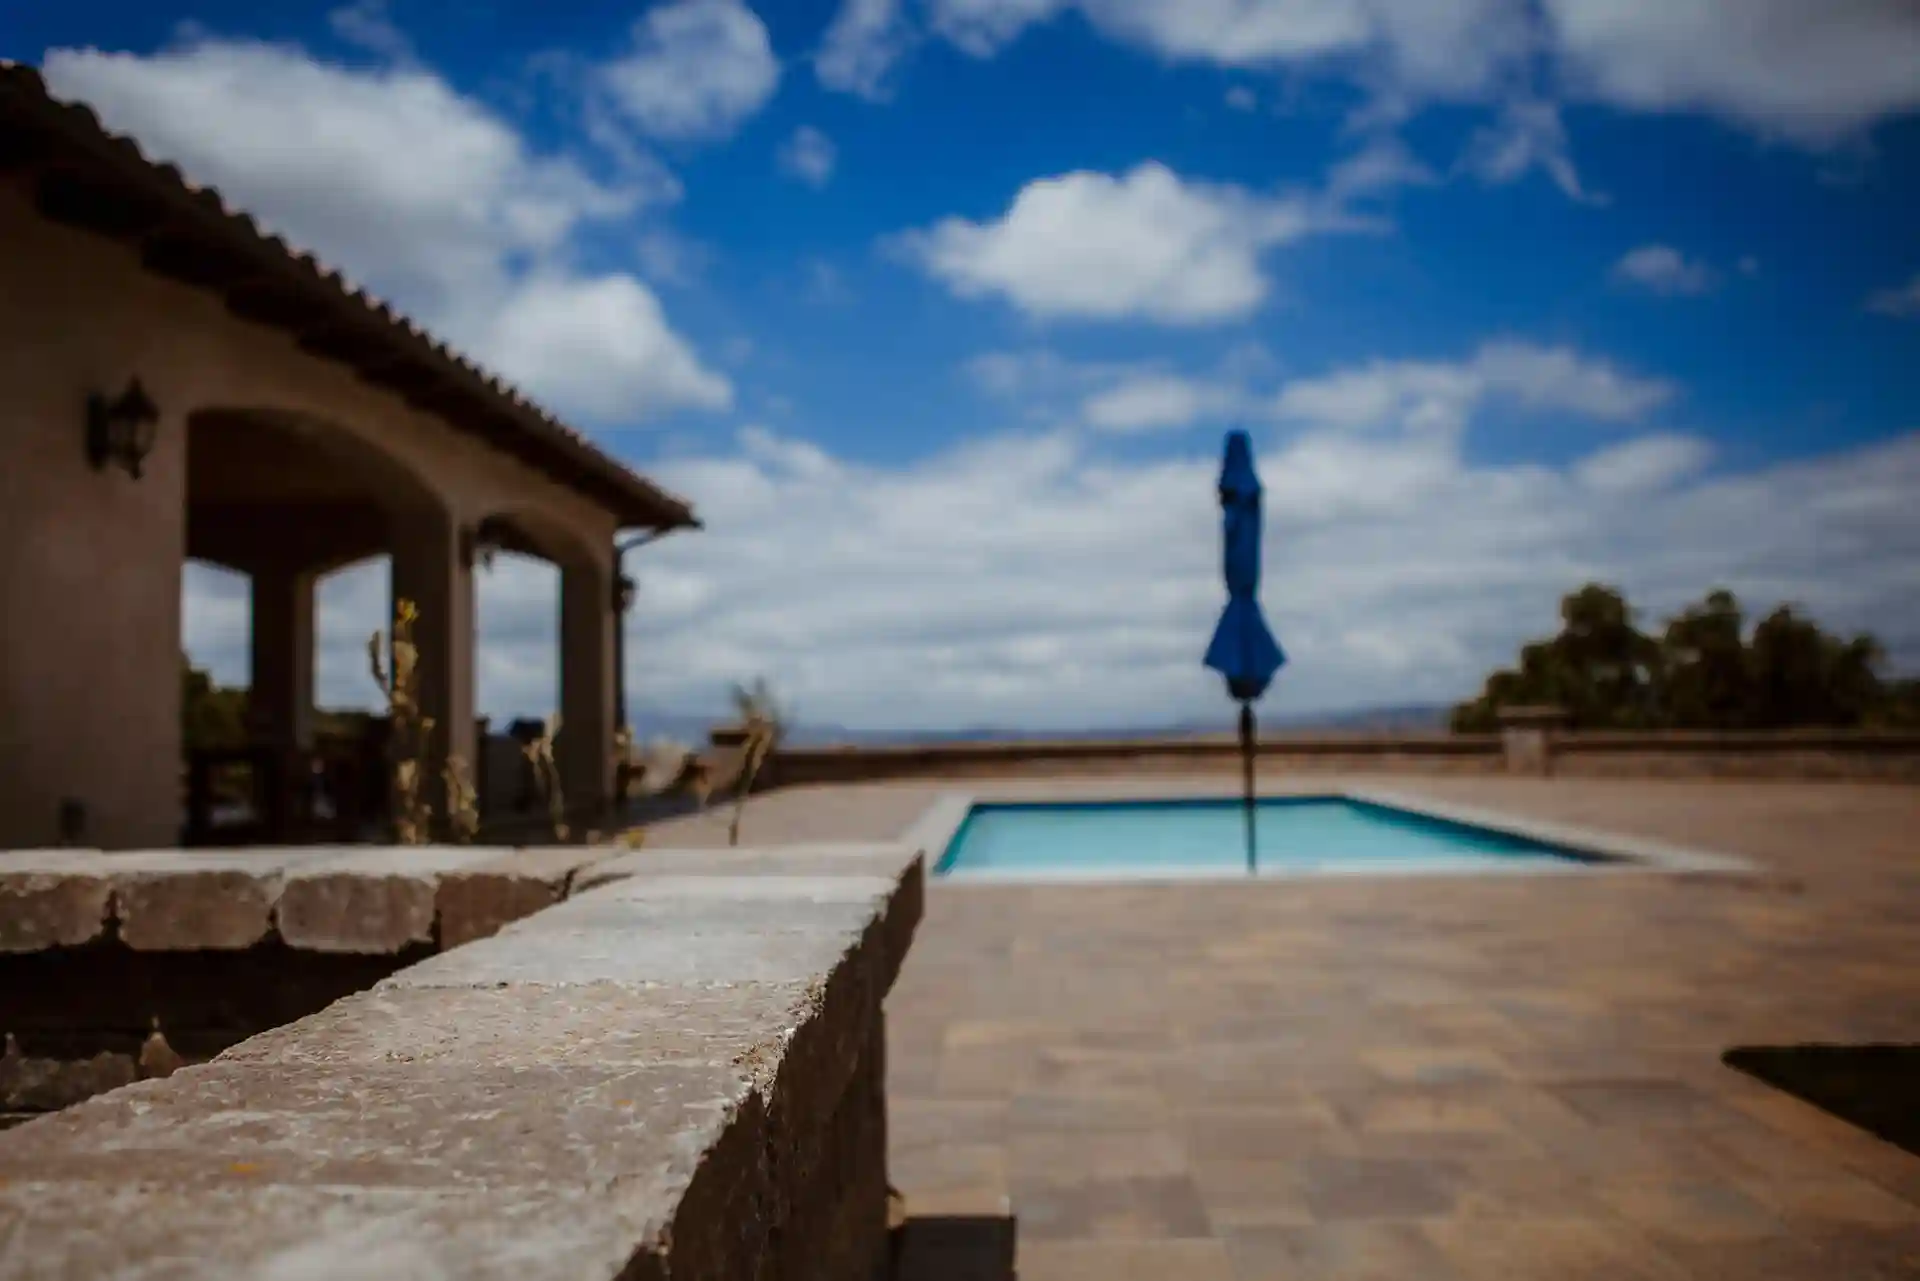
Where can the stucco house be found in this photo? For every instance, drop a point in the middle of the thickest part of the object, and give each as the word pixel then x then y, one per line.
pixel 180 384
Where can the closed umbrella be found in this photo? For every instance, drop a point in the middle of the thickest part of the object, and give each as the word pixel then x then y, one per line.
pixel 1243 649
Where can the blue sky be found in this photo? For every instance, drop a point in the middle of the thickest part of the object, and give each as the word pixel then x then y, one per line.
pixel 936 310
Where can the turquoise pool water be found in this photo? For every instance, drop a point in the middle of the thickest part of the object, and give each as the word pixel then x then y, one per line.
pixel 1199 838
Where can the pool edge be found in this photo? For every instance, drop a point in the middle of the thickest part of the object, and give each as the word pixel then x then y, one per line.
pixel 1610 853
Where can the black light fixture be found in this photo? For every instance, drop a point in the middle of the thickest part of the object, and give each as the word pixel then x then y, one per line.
pixel 121 429
pixel 479 544
pixel 623 593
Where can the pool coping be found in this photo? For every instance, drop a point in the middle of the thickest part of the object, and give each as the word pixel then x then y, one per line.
pixel 1607 853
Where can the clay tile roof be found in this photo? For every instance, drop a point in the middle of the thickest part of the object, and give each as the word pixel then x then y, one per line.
pixel 209 244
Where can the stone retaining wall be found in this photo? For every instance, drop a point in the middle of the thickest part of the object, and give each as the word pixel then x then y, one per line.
pixel 115 967
pixel 677 1071
pixel 1784 755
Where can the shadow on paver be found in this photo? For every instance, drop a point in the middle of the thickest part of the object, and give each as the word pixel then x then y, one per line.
pixel 1876 1087
pixel 954 1247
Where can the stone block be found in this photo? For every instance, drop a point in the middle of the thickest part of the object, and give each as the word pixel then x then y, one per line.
pixel 369 900
pixel 665 1077
pixel 821 858
pixel 53 898
pixel 189 900
pixel 901 865
pixel 474 902
pixel 31 1084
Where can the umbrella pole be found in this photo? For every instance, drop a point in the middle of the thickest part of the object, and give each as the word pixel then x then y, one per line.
pixel 1246 767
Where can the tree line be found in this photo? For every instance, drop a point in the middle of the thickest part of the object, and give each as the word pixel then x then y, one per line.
pixel 1705 669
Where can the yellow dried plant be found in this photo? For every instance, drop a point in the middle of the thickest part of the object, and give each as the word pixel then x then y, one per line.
pixel 409 731
pixel 546 775
pixel 763 721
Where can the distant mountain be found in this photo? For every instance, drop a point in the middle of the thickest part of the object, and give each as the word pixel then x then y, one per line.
pixel 651 723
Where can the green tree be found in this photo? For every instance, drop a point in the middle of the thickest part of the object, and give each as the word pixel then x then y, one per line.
pixel 1803 676
pixel 1600 667
pixel 1700 674
pixel 1704 678
pixel 211 716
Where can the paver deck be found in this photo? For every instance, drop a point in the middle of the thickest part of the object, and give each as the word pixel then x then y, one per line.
pixel 1500 1077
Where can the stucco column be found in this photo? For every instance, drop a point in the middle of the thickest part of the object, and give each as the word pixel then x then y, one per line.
pixel 280 698
pixel 587 622
pixel 429 570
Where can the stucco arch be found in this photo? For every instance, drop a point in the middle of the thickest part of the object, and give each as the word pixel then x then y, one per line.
pixel 268 485
pixel 532 529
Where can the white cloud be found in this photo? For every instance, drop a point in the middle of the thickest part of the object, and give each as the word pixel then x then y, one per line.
pixel 1241 98
pixel 367 24
pixel 1528 134
pixel 698 68
pixel 607 339
pixel 1899 300
pixel 1808 73
pixel 1150 401
pixel 1643 465
pixel 1036 579
pixel 1420 47
pixel 1383 165
pixel 413 190
pixel 1144 245
pixel 862 45
pixel 1664 270
pixel 1439 397
pixel 809 155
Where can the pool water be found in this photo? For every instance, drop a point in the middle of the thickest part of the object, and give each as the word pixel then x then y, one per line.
pixel 1201 838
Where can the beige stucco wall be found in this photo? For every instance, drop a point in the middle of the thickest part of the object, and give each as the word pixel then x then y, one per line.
pixel 91 562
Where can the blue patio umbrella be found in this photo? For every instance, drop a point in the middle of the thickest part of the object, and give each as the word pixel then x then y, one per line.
pixel 1243 649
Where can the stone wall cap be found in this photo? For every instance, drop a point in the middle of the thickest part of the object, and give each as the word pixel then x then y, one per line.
pixel 890 859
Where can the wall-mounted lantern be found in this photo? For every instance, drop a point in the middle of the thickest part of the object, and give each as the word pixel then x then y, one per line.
pixel 623 593
pixel 121 429
pixel 479 544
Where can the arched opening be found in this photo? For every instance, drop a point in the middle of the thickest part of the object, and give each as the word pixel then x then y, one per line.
pixel 525 623
pixel 290 525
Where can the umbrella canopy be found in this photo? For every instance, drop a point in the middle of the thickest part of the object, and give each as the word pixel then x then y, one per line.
pixel 1243 649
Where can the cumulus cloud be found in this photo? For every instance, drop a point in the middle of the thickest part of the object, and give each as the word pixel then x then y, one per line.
pixel 1663 269
pixel 419 193
pixel 698 68
pixel 1643 465
pixel 1151 401
pixel 1425 48
pixel 1146 244
pixel 1528 134
pixel 1898 300
pixel 1807 73
pixel 861 47
pixel 1417 397
pixel 605 337
pixel 810 156
pixel 1032 579
pixel 1036 578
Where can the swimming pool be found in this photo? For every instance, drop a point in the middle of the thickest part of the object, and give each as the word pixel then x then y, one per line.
pixel 1184 839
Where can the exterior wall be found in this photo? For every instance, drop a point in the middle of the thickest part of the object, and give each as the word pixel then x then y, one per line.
pixel 91 569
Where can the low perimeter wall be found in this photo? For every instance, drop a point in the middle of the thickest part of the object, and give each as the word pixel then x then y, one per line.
pixel 650 1064
pixel 1772 755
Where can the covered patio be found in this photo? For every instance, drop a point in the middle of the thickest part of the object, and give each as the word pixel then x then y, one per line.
pixel 183 385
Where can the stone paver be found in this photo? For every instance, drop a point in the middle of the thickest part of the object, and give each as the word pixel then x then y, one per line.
pixel 1501 1077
